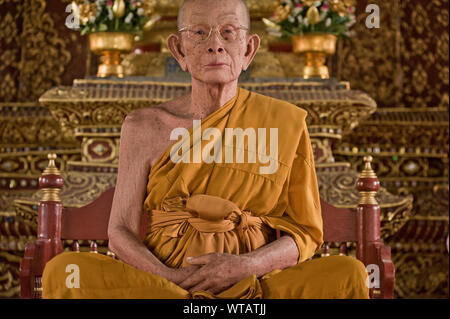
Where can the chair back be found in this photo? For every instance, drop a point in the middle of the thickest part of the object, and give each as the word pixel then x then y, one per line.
pixel 339 224
pixel 91 221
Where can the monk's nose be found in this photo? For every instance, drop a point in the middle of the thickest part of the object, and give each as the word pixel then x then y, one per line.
pixel 215 44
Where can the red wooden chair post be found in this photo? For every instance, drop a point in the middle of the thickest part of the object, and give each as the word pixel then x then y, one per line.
pixel 370 248
pixel 48 242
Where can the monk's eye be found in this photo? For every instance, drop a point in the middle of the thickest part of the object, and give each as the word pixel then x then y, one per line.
pixel 228 32
pixel 199 30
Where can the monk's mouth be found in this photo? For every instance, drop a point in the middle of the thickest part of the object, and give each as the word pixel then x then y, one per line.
pixel 216 65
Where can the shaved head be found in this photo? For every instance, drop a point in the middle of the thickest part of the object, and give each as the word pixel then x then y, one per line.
pixel 187 3
pixel 218 58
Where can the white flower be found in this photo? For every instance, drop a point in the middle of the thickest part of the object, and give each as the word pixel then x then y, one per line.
pixel 129 17
pixel 110 14
pixel 328 22
pixel 322 16
pixel 291 19
pixel 350 23
pixel 276 34
pixel 92 19
pixel 350 33
pixel 317 3
pixel 296 11
pixel 305 22
pixel 273 30
pixel 140 11
pixel 300 19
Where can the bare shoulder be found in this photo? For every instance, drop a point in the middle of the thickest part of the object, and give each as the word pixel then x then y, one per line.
pixel 149 128
pixel 155 116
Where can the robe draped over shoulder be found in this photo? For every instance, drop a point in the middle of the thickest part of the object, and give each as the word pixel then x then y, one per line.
pixel 285 199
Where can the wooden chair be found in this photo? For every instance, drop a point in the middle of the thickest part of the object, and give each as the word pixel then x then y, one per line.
pixel 90 222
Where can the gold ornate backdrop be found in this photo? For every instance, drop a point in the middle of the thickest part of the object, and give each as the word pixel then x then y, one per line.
pixel 403 65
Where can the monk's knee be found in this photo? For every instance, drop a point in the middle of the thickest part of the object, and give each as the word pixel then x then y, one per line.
pixel 58 264
pixel 351 273
pixel 66 272
pixel 55 272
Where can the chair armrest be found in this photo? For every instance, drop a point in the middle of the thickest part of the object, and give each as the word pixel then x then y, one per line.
pixel 26 272
pixel 387 272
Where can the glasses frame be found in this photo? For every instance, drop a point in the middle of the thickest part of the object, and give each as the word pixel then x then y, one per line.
pixel 216 27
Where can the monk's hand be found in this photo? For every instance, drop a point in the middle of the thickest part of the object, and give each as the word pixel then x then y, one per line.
pixel 217 273
pixel 178 275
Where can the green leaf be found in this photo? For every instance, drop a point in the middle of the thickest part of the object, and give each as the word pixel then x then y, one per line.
pixel 85 30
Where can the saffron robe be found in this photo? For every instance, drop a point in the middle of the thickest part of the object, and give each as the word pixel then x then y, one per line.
pixel 228 207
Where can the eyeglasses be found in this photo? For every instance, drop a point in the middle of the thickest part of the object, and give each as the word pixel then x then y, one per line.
pixel 201 32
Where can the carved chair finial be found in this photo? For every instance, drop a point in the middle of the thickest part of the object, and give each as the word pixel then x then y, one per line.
pixel 368 172
pixel 51 169
pixel 51 181
pixel 368 183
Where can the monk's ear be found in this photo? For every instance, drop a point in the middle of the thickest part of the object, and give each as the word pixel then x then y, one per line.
pixel 175 46
pixel 253 44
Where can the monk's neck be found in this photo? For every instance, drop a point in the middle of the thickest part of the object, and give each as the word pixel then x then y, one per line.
pixel 208 98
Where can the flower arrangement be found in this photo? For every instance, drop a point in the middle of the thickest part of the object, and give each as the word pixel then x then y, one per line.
pixel 114 15
pixel 297 17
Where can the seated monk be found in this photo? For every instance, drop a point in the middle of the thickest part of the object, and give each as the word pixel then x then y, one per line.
pixel 213 218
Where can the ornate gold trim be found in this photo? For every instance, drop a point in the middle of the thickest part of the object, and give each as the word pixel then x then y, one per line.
pixel 51 169
pixel 338 164
pixel 10 257
pixel 114 150
pixel 329 135
pixel 431 218
pixel 73 163
pixel 81 134
pixel 51 194
pixel 368 171
pixel 368 198
pixel 7 214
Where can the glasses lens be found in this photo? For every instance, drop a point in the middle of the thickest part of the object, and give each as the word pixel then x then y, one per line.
pixel 228 32
pixel 198 32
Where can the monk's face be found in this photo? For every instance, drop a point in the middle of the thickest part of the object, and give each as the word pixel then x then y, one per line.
pixel 216 59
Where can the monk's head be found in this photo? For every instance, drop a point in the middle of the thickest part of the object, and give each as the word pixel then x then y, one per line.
pixel 213 42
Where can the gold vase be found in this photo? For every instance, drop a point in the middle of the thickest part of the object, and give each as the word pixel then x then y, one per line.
pixel 110 46
pixel 314 47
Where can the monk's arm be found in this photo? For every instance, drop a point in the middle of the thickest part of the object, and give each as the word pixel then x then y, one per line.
pixel 279 254
pixel 124 225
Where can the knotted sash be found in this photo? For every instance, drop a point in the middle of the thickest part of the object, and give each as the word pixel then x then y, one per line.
pixel 207 214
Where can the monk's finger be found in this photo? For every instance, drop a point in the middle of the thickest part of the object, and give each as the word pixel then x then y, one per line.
pixel 201 286
pixel 201 260
pixel 192 280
